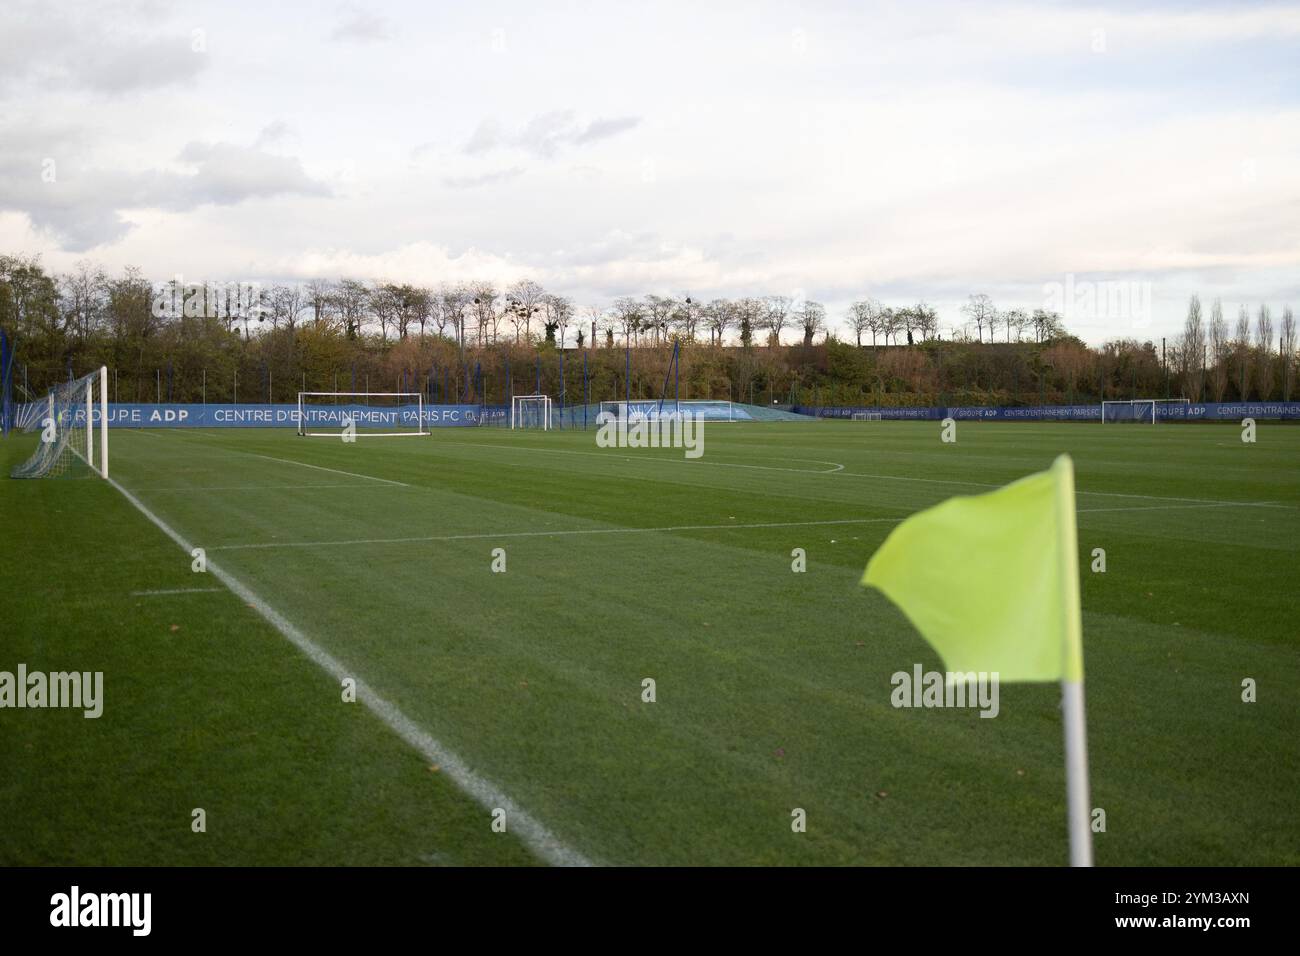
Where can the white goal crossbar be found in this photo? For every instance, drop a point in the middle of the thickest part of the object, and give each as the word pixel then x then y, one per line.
pixel 355 414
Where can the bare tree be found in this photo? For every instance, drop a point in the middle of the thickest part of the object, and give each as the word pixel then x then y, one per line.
pixel 595 315
pixel 875 319
pixel 83 298
pixel 1264 344
pixel 685 318
pixel 1191 351
pixel 1243 352
pixel 286 303
pixel 353 301
pixel 777 315
pixel 926 321
pixel 422 305
pixel 483 306
pixel 1288 351
pixel 1219 352
pixel 527 296
pixel 559 312
pixel 1047 325
pixel 1015 320
pixel 657 311
pixel 384 304
pixel 719 315
pixel 628 314
pixel 812 317
pixel 980 309
pixel 319 297
pixel 862 318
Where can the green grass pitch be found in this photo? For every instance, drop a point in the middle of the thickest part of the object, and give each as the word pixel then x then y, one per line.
pixel 772 687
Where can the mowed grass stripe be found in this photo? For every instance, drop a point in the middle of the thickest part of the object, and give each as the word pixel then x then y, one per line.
pixel 204 707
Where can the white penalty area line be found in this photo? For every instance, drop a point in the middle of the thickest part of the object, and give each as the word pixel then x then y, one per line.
pixel 545 534
pixel 242 488
pixel 493 536
pixel 530 831
pixel 835 465
pixel 838 470
pixel 176 591
pixel 289 461
pixel 1187 507
pixel 333 471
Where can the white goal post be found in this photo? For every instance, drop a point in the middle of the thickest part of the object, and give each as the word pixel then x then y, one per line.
pixel 360 414
pixel 530 411
pixel 1141 410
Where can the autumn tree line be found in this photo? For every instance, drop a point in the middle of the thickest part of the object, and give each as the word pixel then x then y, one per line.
pixel 475 342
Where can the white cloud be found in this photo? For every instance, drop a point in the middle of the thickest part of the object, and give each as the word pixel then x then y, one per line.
pixel 913 150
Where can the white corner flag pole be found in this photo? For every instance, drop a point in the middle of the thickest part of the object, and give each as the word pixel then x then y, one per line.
pixel 1076 744
pixel 1076 773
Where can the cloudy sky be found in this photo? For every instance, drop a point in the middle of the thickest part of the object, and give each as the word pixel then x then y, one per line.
pixel 829 150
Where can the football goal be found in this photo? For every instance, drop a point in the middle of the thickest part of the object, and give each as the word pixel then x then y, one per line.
pixel 865 416
pixel 530 411
pixel 360 414
pixel 66 421
pixel 1140 410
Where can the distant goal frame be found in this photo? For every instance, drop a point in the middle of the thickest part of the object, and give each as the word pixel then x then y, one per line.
pixel 1133 402
pixel 419 430
pixel 548 409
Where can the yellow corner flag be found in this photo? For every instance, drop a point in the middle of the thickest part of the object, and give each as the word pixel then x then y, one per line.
pixel 992 582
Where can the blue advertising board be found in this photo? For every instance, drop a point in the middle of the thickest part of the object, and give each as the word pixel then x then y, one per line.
pixel 228 415
pixel 1165 411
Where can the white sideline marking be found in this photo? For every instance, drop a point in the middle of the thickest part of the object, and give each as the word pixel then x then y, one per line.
pixel 176 591
pixel 351 484
pixel 853 474
pixel 543 534
pixel 533 834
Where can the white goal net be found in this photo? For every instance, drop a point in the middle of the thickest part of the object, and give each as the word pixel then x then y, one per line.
pixel 349 415
pixel 67 421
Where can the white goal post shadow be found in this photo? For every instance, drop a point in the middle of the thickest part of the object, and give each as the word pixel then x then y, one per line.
pixel 419 403
pixel 1134 403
